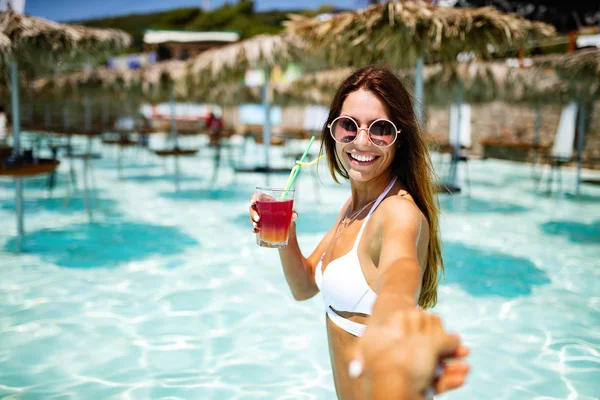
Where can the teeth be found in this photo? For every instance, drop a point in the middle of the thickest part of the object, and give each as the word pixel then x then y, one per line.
pixel 362 158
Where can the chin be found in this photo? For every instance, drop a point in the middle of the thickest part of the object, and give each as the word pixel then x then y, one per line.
pixel 361 176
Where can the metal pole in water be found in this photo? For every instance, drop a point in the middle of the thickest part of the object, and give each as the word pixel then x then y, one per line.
pixel 173 120
pixel 16 120
pixel 419 88
pixel 536 137
pixel 456 153
pixel 580 137
pixel 267 110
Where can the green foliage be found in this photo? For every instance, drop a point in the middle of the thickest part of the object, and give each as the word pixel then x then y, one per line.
pixel 179 17
pixel 136 24
pixel 239 17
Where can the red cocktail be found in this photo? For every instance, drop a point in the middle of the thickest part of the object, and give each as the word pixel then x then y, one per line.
pixel 275 210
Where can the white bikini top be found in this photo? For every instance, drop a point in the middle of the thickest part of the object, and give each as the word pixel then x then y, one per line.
pixel 343 285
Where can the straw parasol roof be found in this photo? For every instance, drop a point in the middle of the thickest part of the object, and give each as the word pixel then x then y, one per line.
pixel 152 83
pixel 481 82
pixel 5 49
pixel 478 82
pixel 232 61
pixel 160 79
pixel 581 68
pixel 557 79
pixel 397 31
pixel 535 85
pixel 36 42
pixel 313 88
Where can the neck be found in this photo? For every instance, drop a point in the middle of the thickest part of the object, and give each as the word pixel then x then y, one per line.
pixel 366 192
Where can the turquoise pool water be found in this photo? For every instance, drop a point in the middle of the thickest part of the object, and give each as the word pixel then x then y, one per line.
pixel 166 295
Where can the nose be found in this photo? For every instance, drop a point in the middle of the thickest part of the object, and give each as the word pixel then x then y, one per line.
pixel 362 139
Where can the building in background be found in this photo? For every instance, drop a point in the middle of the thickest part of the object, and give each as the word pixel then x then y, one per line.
pixel 183 44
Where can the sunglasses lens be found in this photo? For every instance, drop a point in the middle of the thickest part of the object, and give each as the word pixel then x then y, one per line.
pixel 344 130
pixel 383 133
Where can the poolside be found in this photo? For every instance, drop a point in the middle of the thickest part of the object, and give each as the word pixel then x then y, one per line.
pixel 167 294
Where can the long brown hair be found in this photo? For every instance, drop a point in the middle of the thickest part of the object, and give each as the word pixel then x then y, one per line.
pixel 411 163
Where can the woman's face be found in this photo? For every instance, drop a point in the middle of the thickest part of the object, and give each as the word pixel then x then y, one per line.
pixel 362 159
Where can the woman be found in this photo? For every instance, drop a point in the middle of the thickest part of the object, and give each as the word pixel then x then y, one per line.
pixel 383 252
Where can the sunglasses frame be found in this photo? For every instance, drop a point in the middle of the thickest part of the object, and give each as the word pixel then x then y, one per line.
pixel 330 126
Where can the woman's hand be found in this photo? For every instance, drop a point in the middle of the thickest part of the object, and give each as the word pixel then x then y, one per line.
pixel 254 216
pixel 409 356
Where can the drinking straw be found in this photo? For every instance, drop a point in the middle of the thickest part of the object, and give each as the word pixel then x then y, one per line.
pixel 296 169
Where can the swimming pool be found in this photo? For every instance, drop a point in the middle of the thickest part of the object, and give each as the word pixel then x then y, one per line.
pixel 166 294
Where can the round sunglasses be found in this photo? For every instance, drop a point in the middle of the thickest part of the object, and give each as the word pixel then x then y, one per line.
pixel 381 132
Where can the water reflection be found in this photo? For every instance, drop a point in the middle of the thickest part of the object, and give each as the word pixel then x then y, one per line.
pixel 473 205
pixel 233 192
pixel 104 244
pixel 64 204
pixel 576 232
pixel 483 272
pixel 161 178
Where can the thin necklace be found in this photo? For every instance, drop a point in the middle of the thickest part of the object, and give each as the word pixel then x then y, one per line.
pixel 348 219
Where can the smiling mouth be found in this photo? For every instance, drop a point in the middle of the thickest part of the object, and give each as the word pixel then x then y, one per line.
pixel 358 159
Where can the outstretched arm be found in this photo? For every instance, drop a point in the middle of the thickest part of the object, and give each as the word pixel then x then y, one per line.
pixel 404 357
pixel 399 274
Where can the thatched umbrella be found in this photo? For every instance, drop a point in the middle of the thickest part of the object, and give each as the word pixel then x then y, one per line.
pixel 479 82
pixel 231 62
pixel 579 76
pixel 159 83
pixel 5 49
pixel 534 87
pixel 316 87
pixel 404 33
pixel 37 44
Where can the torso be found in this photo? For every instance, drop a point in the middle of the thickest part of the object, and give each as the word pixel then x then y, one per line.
pixel 369 248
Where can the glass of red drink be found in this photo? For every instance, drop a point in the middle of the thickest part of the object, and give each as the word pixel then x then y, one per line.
pixel 275 209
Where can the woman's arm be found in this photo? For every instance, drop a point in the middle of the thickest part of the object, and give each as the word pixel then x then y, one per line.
pixel 399 273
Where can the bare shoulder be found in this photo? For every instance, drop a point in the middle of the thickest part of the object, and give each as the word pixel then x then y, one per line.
pixel 400 212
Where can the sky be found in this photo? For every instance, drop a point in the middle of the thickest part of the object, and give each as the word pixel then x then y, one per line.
pixel 70 10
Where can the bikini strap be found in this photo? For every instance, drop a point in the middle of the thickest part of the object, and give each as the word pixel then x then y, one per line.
pixel 379 200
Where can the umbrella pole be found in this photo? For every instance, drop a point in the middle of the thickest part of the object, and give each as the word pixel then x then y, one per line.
pixel 173 121
pixel 87 125
pixel 16 119
pixel 14 83
pixel 267 110
pixel 456 153
pixel 29 113
pixel 536 136
pixel 47 116
pixel 419 88
pixel 67 116
pixel 580 135
pixel 86 157
pixel 104 115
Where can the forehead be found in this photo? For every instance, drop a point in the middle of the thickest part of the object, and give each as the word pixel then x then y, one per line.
pixel 364 106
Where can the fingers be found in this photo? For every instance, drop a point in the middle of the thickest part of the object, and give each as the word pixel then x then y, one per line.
pixel 453 377
pixel 254 216
pixel 461 352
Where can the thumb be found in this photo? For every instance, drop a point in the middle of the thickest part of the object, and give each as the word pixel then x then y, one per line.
pixel 294 215
pixel 356 367
pixel 448 344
